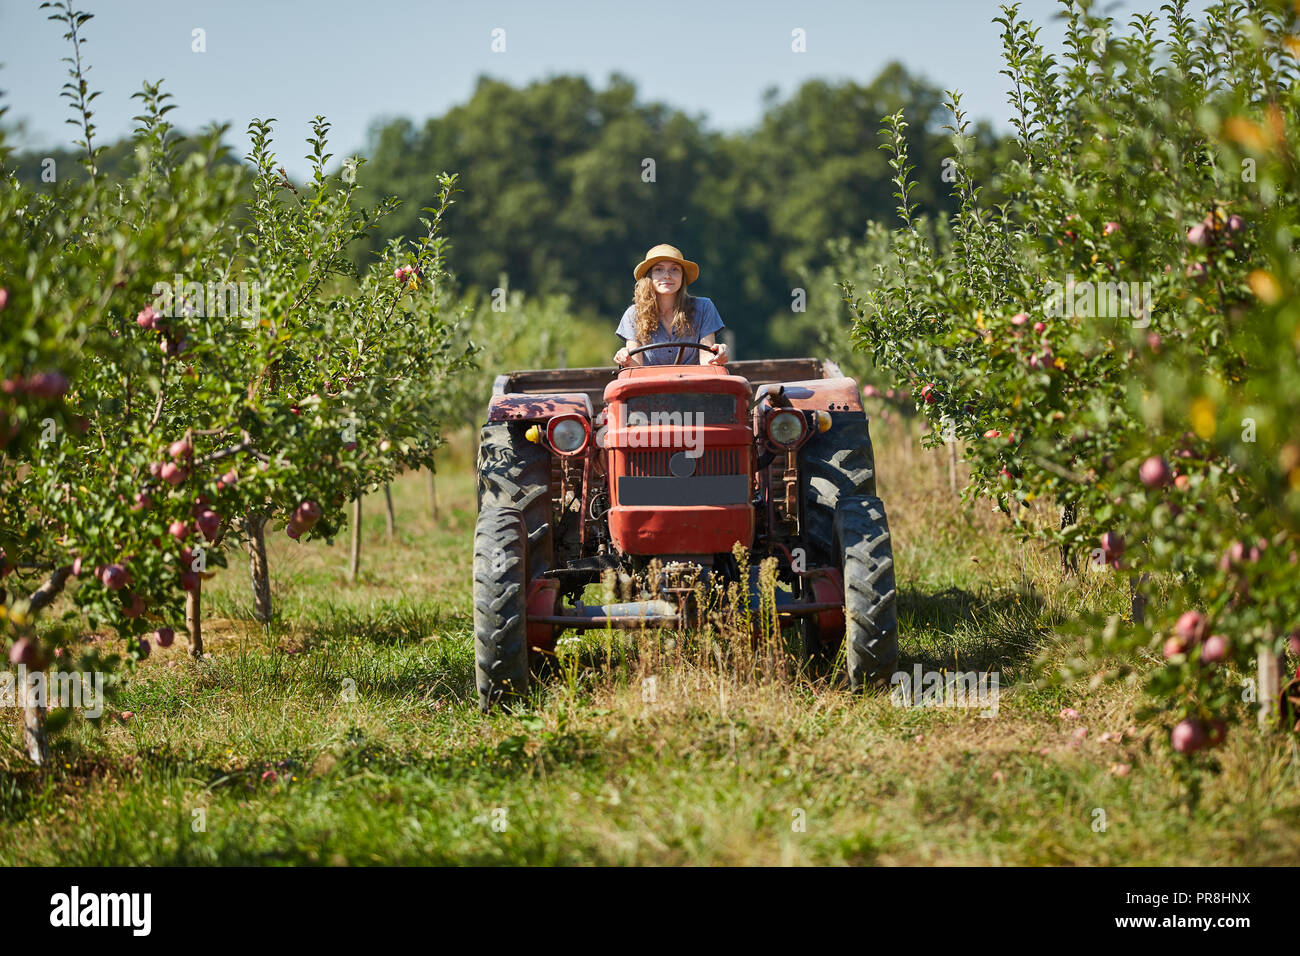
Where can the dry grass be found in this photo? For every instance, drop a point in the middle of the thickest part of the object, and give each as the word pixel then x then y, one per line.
pixel 738 759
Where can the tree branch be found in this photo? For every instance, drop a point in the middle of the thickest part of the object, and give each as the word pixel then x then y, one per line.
pixel 48 591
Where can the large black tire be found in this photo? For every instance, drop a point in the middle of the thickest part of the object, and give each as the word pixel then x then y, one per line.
pixel 834 464
pixel 870 597
pixel 500 607
pixel 513 475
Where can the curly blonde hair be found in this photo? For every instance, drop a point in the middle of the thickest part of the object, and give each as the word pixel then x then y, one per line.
pixel 647 311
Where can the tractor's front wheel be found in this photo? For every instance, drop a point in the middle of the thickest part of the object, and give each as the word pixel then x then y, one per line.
pixel 500 607
pixel 870 597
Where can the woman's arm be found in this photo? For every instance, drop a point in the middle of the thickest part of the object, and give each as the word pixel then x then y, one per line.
pixel 622 358
pixel 708 358
pixel 711 325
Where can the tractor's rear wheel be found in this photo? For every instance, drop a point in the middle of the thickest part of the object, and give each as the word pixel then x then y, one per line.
pixel 870 596
pixel 500 607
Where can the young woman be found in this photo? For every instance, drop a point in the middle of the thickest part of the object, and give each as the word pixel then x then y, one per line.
pixel 662 311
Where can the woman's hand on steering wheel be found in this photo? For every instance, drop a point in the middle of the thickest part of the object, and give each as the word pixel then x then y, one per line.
pixel 681 348
pixel 720 356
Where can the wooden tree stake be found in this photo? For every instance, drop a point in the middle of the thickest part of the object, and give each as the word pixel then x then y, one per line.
pixel 354 565
pixel 194 620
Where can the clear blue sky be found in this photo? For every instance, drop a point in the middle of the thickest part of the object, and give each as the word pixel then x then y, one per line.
pixel 356 62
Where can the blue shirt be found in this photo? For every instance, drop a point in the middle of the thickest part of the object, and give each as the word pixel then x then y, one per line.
pixel 707 321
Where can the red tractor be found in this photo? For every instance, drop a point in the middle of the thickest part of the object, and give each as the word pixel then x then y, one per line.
pixel 678 463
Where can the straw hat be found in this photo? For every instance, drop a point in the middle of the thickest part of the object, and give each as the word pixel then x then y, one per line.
pixel 666 253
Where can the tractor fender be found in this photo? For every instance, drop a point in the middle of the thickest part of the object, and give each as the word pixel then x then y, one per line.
pixel 519 407
pixel 824 394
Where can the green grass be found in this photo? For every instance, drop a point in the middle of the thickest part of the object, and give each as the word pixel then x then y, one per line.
pixel 727 764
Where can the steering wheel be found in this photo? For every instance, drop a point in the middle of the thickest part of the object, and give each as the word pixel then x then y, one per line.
pixel 681 348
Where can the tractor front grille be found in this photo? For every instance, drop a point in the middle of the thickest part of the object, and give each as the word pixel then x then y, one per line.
pixel 714 461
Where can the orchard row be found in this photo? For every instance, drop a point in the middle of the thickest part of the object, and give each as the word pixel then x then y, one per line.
pixel 1164 416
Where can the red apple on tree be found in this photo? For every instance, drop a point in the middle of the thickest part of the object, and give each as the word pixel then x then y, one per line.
pixel 209 522
pixel 180 530
pixel 173 474
pixel 47 385
pixel 1214 649
pixel 114 577
pixel 27 651
pixel 1191 626
pixel 1154 472
pixel 164 636
pixel 1188 736
pixel 308 512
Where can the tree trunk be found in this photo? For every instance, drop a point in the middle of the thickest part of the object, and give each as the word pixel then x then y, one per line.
pixel 1138 600
pixel 952 466
pixel 1069 561
pixel 433 494
pixel 388 511
pixel 1270 686
pixel 257 567
pixel 47 592
pixel 354 565
pixel 194 620
pixel 35 740
pixel 474 434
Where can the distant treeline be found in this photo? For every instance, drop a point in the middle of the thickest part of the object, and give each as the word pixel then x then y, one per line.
pixel 566 186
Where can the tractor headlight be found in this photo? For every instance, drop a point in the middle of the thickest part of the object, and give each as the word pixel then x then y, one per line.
pixel 785 428
pixel 567 435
